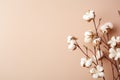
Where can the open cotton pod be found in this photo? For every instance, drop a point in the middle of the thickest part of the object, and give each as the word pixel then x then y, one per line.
pixel 97 72
pixel 88 16
pixel 106 27
pixel 96 41
pixel 72 46
pixel 86 62
pixel 88 36
pixel 114 53
pixel 114 41
pixel 71 42
pixel 69 38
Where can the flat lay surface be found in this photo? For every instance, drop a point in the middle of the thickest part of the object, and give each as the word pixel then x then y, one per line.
pixel 33 37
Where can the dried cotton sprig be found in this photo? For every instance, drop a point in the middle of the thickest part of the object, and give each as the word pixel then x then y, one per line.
pixel 88 36
pixel 106 27
pixel 102 48
pixel 86 62
pixel 72 42
pixel 89 15
pixel 97 72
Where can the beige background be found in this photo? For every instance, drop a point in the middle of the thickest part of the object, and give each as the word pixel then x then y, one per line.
pixel 33 37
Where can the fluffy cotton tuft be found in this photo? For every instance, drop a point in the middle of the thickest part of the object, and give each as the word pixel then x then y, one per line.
pixel 84 62
pixel 88 63
pixel 89 15
pixel 97 72
pixel 72 42
pixel 114 53
pixel 71 46
pixel 106 27
pixel 97 41
pixel 114 40
pixel 88 33
pixel 69 38
pixel 88 36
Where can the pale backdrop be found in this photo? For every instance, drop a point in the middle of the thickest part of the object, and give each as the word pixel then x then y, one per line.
pixel 33 37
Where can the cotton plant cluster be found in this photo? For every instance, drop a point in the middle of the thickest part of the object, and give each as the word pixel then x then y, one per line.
pixel 103 46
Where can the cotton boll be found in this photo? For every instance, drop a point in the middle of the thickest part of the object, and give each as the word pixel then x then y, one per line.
pixel 109 24
pixel 101 74
pixel 82 61
pixel 88 63
pixel 86 17
pixel 118 54
pixel 113 39
pixel 112 42
pixel 92 14
pixel 72 42
pixel 95 76
pixel 112 51
pixel 88 36
pixel 69 38
pixel 71 47
pixel 106 27
pixel 118 39
pixel 97 72
pixel 96 41
pixel 88 33
pixel 111 55
pixel 118 50
pixel 89 15
pixel 93 70
pixel 99 68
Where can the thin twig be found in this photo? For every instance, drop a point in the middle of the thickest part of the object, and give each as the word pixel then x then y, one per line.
pixel 95 27
pixel 95 55
pixel 99 22
pixel 111 62
pixel 83 52
pixel 113 71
